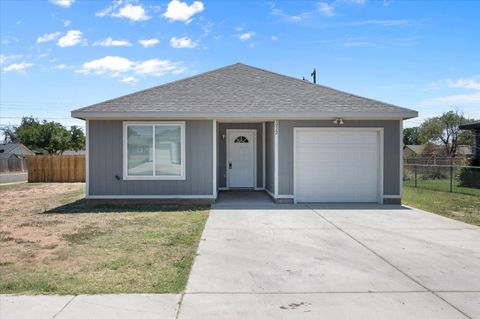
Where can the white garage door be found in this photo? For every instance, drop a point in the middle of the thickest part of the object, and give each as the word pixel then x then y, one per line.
pixel 336 165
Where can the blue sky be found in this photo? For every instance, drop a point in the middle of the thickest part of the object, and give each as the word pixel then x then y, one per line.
pixel 59 55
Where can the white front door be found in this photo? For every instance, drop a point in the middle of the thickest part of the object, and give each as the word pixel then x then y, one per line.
pixel 241 146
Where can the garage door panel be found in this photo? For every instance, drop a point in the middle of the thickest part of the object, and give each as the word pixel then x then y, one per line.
pixel 336 166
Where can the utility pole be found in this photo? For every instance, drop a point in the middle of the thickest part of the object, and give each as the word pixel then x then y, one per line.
pixel 314 75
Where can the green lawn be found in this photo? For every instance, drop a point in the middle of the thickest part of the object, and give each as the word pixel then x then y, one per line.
pixel 462 207
pixel 53 243
pixel 442 185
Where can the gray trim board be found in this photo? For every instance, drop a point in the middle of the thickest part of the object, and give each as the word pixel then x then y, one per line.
pixel 269 157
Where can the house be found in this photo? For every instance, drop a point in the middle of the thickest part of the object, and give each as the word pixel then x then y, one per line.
pixel 243 127
pixel 13 157
pixel 411 151
pixel 475 127
pixel 72 152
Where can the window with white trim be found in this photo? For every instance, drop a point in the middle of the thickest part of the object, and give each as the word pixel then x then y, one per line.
pixel 154 150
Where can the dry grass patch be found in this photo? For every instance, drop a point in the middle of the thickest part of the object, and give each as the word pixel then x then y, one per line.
pixel 52 242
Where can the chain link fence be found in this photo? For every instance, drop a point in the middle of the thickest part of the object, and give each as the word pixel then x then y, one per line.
pixel 447 178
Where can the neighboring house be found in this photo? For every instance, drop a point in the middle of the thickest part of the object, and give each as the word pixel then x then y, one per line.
pixel 244 127
pixel 70 152
pixel 412 151
pixel 475 127
pixel 13 157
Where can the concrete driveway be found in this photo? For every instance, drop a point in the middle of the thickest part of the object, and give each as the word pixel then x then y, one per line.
pixel 334 262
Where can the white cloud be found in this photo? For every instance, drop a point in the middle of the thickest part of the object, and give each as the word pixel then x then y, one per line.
pixel 17 67
pixel 246 36
pixel 72 38
pixel 115 66
pixel 295 18
pixel 383 23
pixel 132 12
pixel 181 11
pixel 66 23
pixel 454 100
pixel 274 38
pixel 326 9
pixel 48 37
pixel 129 11
pixel 60 66
pixel 129 79
pixel 63 3
pixel 112 65
pixel 146 43
pixel 182 43
pixel 4 58
pixel 471 83
pixel 109 42
pixel 238 29
pixel 157 67
pixel 468 99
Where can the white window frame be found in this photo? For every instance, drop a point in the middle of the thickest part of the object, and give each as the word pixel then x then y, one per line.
pixel 126 124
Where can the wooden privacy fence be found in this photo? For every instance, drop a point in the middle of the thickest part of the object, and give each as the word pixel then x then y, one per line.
pixel 56 168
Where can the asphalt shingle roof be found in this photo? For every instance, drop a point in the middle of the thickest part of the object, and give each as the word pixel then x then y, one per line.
pixel 241 90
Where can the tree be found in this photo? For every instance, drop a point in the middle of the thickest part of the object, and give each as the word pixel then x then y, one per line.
pixel 411 136
pixel 9 134
pixel 77 138
pixel 51 137
pixel 444 130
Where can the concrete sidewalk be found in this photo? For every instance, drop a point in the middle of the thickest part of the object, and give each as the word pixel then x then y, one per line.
pixel 121 306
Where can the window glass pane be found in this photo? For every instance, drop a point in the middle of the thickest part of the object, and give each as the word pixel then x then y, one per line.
pixel 140 150
pixel 168 150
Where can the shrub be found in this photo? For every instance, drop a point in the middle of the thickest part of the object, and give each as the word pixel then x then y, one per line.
pixel 469 177
pixel 434 172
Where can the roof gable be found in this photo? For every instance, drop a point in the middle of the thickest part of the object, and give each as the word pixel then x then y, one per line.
pixel 241 90
pixel 14 148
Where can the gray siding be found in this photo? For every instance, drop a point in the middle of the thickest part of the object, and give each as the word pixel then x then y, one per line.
pixel 391 150
pixel 269 157
pixel 222 150
pixel 106 161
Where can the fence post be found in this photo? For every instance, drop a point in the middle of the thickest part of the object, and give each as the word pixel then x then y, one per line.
pixel 451 177
pixel 415 170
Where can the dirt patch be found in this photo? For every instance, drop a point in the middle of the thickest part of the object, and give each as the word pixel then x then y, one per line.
pixel 27 234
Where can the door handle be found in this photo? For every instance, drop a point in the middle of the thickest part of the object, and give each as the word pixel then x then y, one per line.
pixel 230 165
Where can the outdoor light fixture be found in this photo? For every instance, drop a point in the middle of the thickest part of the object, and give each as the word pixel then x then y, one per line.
pixel 338 121
pixel 223 136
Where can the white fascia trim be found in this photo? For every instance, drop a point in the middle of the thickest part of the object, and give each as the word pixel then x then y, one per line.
pixel 263 154
pixel 275 151
pixel 150 197
pixel 87 158
pixel 401 159
pixel 257 116
pixel 214 168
